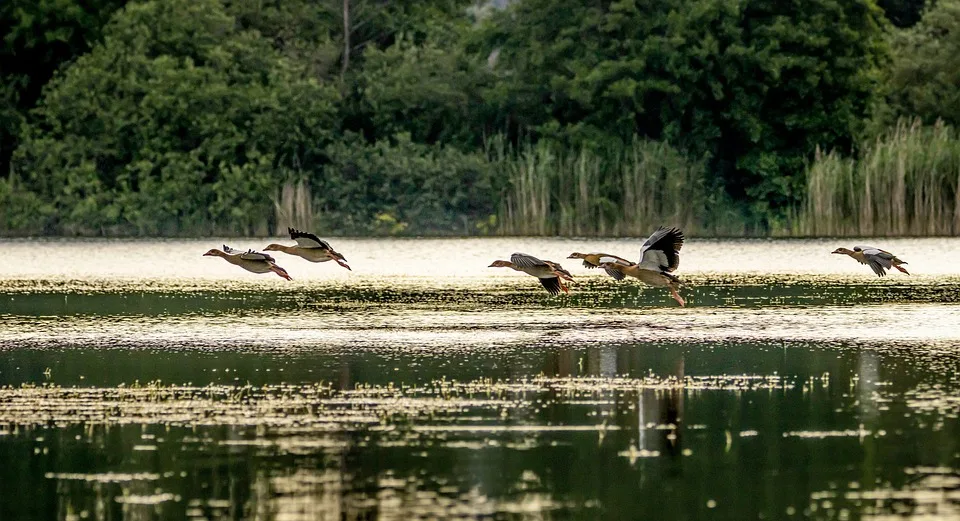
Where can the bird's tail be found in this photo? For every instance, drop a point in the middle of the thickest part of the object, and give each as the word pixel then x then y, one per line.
pixel 674 280
pixel 280 271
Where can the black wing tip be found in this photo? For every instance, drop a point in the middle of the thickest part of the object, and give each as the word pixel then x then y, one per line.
pixel 676 233
pixel 551 284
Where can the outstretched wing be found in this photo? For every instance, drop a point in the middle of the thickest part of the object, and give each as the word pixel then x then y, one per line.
pixel 876 266
pixel 615 273
pixel 661 251
pixel 878 260
pixel 552 285
pixel 526 261
pixel 308 240
pixel 612 263
pixel 256 256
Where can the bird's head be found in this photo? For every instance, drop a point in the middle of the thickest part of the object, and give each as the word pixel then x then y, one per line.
pixel 213 253
pixel 273 247
pixel 500 264
pixel 843 251
pixel 576 255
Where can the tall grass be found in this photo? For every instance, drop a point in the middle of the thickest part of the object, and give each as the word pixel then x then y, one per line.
pixel 621 192
pixel 293 207
pixel 904 183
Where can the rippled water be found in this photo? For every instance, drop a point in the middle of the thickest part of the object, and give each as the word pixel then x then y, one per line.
pixel 140 380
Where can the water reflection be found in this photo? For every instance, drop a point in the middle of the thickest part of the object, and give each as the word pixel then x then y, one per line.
pixel 581 440
pixel 384 395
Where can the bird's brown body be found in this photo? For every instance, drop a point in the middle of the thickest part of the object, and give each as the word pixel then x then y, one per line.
pixel 593 260
pixel 879 260
pixel 252 261
pixel 551 274
pixel 309 247
pixel 659 257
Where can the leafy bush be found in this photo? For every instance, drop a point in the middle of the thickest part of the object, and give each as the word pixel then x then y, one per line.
pixel 925 72
pixel 756 85
pixel 398 186
pixel 177 123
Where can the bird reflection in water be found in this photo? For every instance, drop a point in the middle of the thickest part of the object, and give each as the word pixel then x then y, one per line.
pixel 660 413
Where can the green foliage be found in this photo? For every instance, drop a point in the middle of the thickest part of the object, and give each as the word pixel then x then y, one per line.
pixel 178 121
pixel 304 31
pixel 756 85
pixel 21 211
pixel 925 74
pixel 451 116
pixel 904 183
pixel 36 38
pixel 398 185
pixel 424 90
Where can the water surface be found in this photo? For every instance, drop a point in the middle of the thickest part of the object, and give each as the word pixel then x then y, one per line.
pixel 139 379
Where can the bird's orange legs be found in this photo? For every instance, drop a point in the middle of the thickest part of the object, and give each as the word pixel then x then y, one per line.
pixel 676 296
pixel 560 277
pixel 280 271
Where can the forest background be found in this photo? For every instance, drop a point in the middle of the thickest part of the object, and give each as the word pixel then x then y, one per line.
pixel 464 117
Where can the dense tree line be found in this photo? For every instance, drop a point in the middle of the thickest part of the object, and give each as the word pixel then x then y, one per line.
pixel 198 116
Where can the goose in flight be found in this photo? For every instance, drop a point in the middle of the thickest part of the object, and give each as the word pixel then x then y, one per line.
pixel 593 260
pixel 879 260
pixel 249 260
pixel 309 247
pixel 551 274
pixel 659 257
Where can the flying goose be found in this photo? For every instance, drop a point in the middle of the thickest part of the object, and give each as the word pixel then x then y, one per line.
pixel 249 260
pixel 593 260
pixel 309 247
pixel 551 274
pixel 879 260
pixel 659 257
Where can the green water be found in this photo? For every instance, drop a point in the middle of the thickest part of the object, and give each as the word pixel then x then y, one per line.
pixel 212 394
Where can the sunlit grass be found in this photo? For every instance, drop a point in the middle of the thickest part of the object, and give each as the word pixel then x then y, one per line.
pixel 621 191
pixel 903 184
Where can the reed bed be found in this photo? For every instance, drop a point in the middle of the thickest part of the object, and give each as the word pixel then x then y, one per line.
pixel 622 192
pixel 293 206
pixel 904 183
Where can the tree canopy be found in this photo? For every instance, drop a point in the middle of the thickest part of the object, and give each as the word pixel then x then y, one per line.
pixel 179 116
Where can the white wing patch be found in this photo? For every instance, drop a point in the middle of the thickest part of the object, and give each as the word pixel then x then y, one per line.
pixel 654 260
pixel 613 260
pixel 307 242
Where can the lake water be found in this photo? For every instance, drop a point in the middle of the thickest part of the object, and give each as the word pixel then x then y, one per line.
pixel 140 380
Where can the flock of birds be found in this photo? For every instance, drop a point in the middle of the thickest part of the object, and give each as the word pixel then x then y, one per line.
pixel 659 258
